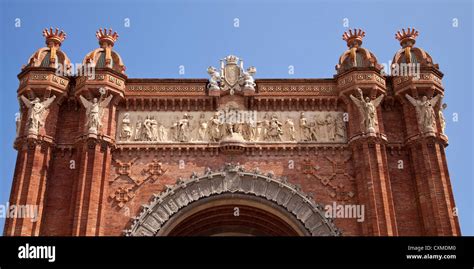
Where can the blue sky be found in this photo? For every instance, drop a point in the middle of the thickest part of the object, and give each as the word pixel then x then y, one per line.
pixel 272 35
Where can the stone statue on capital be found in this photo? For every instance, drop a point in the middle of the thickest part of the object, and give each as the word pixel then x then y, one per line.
pixel 95 111
pixel 425 113
pixel 368 111
pixel 36 113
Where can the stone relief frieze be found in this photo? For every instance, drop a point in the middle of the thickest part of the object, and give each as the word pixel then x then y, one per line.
pixel 231 124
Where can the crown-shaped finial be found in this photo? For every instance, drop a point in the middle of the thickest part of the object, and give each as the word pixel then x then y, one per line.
pixel 353 38
pixel 106 37
pixel 57 37
pixel 408 37
pixel 231 59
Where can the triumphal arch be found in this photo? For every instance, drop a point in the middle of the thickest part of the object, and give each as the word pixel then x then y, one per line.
pixel 101 153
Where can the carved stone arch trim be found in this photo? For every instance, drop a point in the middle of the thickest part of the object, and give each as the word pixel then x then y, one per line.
pixel 232 179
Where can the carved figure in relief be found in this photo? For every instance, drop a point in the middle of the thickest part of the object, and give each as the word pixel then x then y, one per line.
pixel 202 129
pixel 305 129
pixel 239 128
pixel 340 127
pixel 247 130
pixel 36 112
pixel 425 112
pixel 228 128
pixel 330 127
pixel 126 132
pixel 95 111
pixel 257 130
pixel 214 128
pixel 138 129
pixel 233 125
pixel 318 128
pixel 275 131
pixel 290 126
pixel 252 126
pixel 174 129
pixel 162 132
pixel 154 129
pixel 367 111
pixel 264 127
pixel 147 128
pixel 183 128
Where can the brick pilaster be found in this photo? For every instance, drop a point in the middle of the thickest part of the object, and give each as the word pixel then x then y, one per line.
pixel 428 159
pixel 433 188
pixel 374 188
pixel 29 188
pixel 91 190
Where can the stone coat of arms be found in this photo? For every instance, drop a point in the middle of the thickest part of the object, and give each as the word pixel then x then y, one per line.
pixel 232 76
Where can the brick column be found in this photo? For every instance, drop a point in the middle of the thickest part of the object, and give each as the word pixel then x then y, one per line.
pixel 373 186
pixel 433 185
pixel 371 168
pixel 91 189
pixel 35 148
pixel 29 186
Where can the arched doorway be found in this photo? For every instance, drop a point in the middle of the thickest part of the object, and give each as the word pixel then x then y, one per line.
pixel 232 201
pixel 233 214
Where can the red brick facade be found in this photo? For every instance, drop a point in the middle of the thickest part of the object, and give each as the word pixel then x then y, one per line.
pixel 94 184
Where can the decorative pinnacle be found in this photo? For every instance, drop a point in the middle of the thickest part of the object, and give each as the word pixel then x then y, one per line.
pixel 353 38
pixel 407 38
pixel 56 37
pixel 106 37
